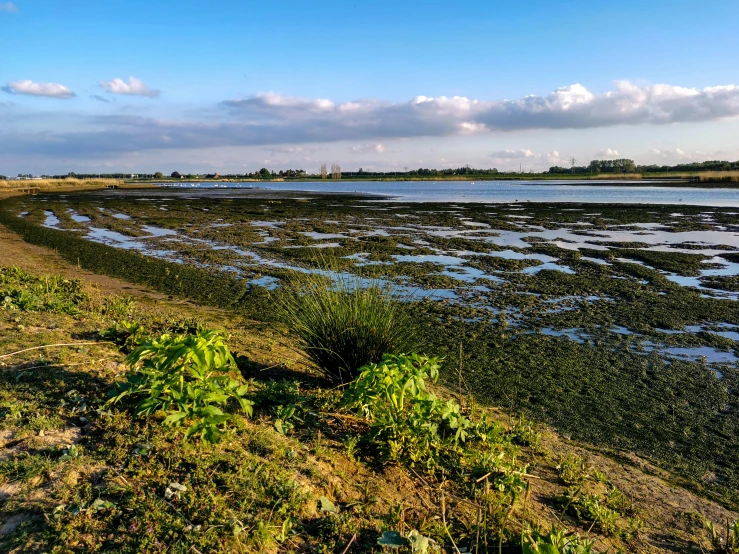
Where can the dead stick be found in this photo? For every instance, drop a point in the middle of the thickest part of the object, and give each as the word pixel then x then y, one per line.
pixel 52 346
pixel 354 537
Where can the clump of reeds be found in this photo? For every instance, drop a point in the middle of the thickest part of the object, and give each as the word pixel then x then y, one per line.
pixel 58 183
pixel 344 322
pixel 719 176
pixel 617 176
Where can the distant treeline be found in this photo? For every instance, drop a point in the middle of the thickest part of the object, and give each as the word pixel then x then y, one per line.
pixel 595 167
pixel 625 165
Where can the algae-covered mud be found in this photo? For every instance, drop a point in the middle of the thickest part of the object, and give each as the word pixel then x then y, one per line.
pixel 616 323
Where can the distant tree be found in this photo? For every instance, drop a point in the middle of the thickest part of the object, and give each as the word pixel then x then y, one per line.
pixel 324 173
pixel 612 166
pixel 176 175
pixel 264 173
pixel 3 178
pixel 158 175
pixel 71 175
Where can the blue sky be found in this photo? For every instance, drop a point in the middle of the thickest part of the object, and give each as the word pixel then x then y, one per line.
pixel 233 86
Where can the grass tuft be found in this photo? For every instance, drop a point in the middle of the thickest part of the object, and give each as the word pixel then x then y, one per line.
pixel 345 325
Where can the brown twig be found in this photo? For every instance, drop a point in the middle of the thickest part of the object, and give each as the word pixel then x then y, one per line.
pixel 354 537
pixel 52 346
pixel 37 366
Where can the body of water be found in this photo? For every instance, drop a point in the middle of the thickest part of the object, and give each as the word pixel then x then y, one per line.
pixel 610 192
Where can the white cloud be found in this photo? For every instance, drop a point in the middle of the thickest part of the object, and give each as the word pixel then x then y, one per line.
pixel 467 127
pixel 555 158
pixel 364 148
pixel 515 154
pixel 567 107
pixel 269 100
pixel 608 153
pixel 8 7
pixel 678 154
pixel 51 90
pixel 134 87
pixel 274 120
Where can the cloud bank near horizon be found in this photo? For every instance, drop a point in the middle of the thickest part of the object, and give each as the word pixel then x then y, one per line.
pixel 271 119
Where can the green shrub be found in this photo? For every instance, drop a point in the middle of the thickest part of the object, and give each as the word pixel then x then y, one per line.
pixel 345 325
pixel 187 378
pixel 408 423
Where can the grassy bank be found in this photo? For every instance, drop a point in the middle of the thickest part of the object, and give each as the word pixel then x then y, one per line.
pixel 301 474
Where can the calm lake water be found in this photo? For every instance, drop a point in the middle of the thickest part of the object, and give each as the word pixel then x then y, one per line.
pixel 506 191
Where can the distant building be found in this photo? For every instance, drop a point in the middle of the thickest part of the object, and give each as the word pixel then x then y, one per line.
pixel 213 176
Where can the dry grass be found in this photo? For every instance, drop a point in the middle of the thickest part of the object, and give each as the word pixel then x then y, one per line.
pixel 701 176
pixel 721 176
pixel 617 176
pixel 59 183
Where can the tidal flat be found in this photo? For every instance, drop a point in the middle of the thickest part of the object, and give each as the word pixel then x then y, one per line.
pixel 617 324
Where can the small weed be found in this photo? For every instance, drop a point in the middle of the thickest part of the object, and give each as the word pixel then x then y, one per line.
pixel 126 334
pixel 574 470
pixel 554 541
pixel 724 542
pixel 118 307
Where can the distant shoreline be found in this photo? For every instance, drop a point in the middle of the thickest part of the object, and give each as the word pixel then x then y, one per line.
pixel 648 182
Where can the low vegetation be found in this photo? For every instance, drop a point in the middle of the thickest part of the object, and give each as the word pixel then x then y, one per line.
pixel 95 458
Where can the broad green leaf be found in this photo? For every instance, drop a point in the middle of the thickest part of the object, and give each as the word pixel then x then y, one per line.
pixel 174 418
pixel 327 505
pixel 391 539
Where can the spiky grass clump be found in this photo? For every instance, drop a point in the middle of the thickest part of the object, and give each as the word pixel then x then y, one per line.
pixel 346 322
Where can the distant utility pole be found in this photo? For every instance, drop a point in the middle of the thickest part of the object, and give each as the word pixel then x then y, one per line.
pixel 324 173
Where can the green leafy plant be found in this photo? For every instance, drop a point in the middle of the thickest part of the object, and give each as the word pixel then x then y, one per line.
pixel 409 423
pixel 724 542
pixel 585 506
pixel 118 306
pixel 26 292
pixel 345 323
pixel 285 418
pixel 187 378
pixel 554 541
pixel 574 470
pixel 126 334
pixel 417 543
